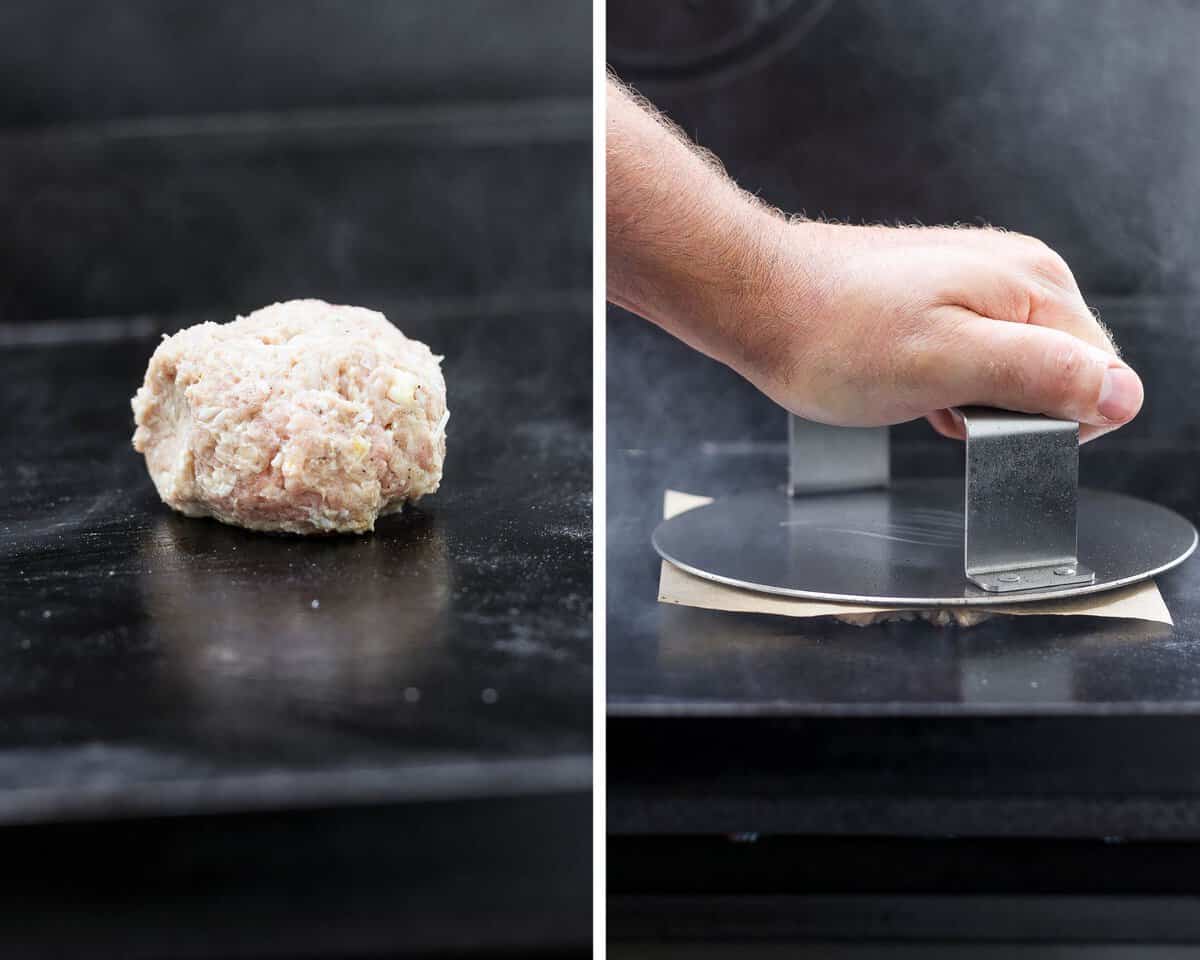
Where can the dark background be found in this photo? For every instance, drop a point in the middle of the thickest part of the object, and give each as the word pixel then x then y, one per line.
pixel 784 779
pixel 221 744
pixel 179 155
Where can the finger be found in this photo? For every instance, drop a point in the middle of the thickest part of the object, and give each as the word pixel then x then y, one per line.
pixel 1054 297
pixel 1031 369
pixel 1041 292
pixel 945 423
pixel 1037 286
pixel 1066 310
pixel 949 426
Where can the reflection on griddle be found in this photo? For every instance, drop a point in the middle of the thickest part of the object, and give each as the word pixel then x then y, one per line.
pixel 778 659
pixel 254 626
pixel 1004 660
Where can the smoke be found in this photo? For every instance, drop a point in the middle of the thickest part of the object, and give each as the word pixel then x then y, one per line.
pixel 1081 123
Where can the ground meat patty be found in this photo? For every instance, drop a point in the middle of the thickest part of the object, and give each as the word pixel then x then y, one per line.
pixel 945 617
pixel 302 417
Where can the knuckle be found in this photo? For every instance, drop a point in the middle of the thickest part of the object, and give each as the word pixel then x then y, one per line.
pixel 1042 259
pixel 1049 265
pixel 1041 300
pixel 1064 364
pixel 1029 242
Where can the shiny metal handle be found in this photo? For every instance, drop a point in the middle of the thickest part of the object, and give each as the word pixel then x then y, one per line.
pixel 1019 507
pixel 1022 484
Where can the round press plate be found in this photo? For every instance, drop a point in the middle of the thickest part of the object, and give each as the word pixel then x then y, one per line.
pixel 900 546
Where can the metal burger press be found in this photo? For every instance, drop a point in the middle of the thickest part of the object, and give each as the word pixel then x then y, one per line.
pixel 1019 529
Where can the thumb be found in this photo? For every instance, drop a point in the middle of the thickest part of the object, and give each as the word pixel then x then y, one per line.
pixel 1031 369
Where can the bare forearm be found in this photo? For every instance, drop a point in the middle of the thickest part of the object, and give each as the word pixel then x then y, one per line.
pixel 686 248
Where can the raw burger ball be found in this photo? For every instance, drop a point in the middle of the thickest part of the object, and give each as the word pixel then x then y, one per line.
pixel 302 417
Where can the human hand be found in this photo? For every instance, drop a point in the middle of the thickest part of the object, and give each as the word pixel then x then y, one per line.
pixel 862 326
pixel 854 326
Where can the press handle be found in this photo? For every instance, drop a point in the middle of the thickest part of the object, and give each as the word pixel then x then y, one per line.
pixel 1020 522
pixel 1020 525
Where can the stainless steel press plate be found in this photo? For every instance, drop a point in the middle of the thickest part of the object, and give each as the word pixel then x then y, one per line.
pixel 902 545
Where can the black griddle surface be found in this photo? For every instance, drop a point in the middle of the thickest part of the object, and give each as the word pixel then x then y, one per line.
pixel 151 663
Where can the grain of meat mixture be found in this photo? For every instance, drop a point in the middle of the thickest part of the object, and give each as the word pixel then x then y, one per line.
pixel 303 417
pixel 944 617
